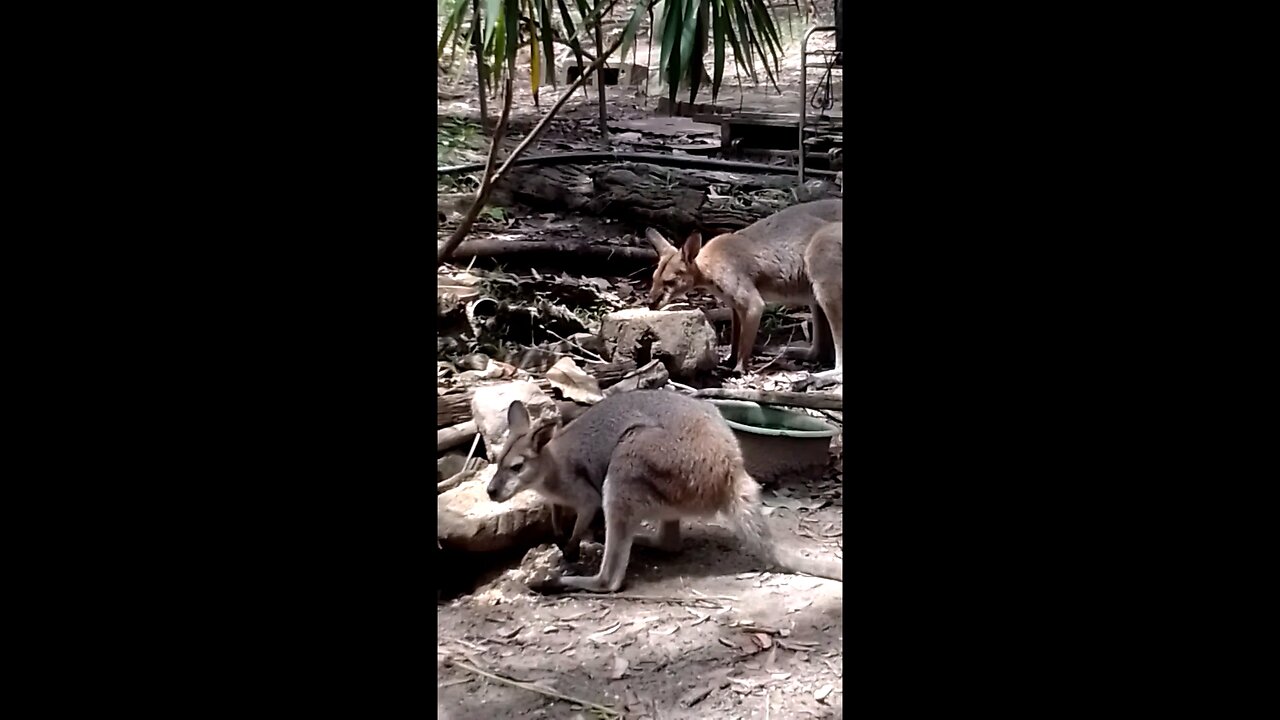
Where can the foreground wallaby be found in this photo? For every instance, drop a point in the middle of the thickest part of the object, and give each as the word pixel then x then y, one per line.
pixel 642 455
pixel 793 257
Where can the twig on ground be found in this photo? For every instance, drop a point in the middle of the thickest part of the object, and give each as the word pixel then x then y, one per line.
pixel 534 687
pixel 682 387
pixel 777 357
pixel 708 600
pixel 565 339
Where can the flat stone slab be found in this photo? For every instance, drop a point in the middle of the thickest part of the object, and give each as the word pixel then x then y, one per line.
pixel 466 519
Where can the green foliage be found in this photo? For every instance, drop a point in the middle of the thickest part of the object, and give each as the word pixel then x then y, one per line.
pixel 686 26
pixel 495 213
pixel 683 30
pixel 453 137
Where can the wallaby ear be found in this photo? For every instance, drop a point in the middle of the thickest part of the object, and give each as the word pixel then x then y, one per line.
pixel 659 243
pixel 692 246
pixel 543 435
pixel 517 418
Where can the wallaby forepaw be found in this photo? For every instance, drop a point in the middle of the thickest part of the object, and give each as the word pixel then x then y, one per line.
pixel 571 550
pixel 546 584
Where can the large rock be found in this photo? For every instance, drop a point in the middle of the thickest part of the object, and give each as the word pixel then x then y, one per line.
pixel 489 406
pixel 683 340
pixel 466 519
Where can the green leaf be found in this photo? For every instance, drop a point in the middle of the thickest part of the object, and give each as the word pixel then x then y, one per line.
pixel 753 41
pixel 766 30
pixel 511 15
pixel 671 46
pixel 456 13
pixel 574 45
pixel 534 64
pixel 492 11
pixel 741 53
pixel 718 34
pixel 498 49
pixel 695 67
pixel 633 26
pixel 584 11
pixel 688 27
pixel 548 51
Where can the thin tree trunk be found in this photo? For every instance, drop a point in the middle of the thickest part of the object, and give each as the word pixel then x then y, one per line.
pixel 477 24
pixel 486 186
pixel 604 108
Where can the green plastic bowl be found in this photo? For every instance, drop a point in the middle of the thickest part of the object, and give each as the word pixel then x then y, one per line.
pixel 777 443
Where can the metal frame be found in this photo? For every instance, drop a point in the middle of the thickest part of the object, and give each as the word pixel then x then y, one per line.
pixel 804 82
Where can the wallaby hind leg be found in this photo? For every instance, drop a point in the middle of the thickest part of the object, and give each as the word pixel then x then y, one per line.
pixel 824 262
pixel 820 350
pixel 735 327
pixel 619 530
pixel 832 299
pixel 752 307
pixel 667 538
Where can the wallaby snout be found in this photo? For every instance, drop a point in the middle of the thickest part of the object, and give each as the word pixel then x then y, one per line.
pixel 522 464
pixel 498 488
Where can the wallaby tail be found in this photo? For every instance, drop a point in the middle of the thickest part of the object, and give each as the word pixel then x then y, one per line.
pixel 753 528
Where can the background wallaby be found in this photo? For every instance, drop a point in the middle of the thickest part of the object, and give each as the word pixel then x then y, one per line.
pixel 643 455
pixel 793 257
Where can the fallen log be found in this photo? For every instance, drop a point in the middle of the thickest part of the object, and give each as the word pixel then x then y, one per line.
pixel 555 251
pixel 455 435
pixel 691 162
pixel 675 200
pixel 817 401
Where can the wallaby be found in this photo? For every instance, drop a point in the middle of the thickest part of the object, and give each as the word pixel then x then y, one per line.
pixel 793 257
pixel 650 455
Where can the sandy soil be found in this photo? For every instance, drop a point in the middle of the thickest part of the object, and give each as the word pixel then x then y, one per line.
pixel 725 641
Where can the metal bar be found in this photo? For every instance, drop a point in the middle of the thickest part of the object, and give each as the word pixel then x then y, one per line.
pixel 804 91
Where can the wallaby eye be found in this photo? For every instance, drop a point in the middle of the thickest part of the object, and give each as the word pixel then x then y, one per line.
pixel 515 466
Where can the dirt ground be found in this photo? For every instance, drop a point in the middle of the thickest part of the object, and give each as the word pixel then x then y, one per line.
pixel 715 638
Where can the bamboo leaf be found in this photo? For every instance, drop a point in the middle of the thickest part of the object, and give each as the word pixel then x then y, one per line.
pixel 456 13
pixel 633 26
pixel 492 12
pixel 584 11
pixel 671 46
pixel 741 53
pixel 534 65
pixel 574 45
pixel 498 48
pixel 754 41
pixel 567 18
pixel 718 34
pixel 548 52
pixel 688 27
pixel 696 50
pixel 511 16
pixel 766 29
